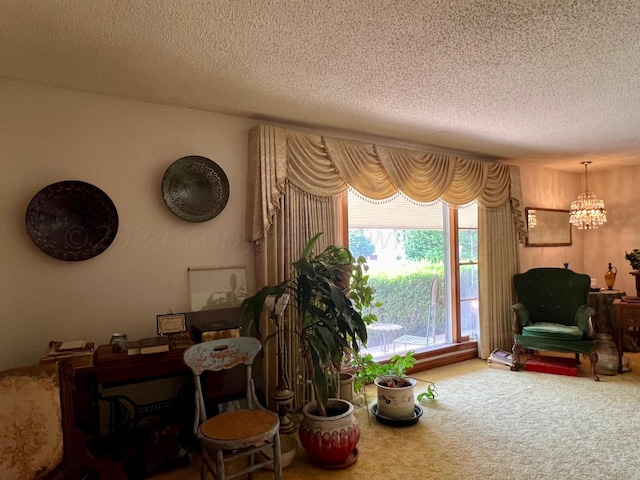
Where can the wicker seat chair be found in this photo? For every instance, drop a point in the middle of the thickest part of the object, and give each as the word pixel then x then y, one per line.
pixel 231 435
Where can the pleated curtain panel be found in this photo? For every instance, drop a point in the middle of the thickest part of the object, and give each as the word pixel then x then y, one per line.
pixel 295 184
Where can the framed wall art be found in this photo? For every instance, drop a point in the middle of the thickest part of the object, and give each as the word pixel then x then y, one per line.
pixel 211 288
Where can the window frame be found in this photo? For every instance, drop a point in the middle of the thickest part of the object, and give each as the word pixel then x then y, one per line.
pixel 461 347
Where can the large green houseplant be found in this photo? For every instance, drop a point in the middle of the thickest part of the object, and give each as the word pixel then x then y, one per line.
pixel 328 323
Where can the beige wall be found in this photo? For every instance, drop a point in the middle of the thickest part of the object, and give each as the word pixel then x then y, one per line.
pixel 592 250
pixel 124 148
pixel 546 188
pixel 621 194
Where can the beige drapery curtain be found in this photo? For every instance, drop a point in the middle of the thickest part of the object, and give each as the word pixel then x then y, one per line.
pixel 295 181
pixel 498 260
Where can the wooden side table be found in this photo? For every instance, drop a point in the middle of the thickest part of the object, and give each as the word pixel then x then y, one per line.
pixel 602 304
pixel 626 315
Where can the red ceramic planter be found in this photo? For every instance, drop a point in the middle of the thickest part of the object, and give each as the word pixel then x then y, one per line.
pixel 330 440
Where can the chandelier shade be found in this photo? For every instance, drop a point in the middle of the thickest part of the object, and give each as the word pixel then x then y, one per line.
pixel 587 212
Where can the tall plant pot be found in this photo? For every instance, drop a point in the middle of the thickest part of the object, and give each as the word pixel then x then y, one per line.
pixel 396 403
pixel 346 386
pixel 330 441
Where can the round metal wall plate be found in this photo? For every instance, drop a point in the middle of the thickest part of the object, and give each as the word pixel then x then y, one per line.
pixel 195 188
pixel 72 220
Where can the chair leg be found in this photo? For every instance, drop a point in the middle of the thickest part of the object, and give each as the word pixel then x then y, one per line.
pixel 220 474
pixel 251 461
pixel 207 464
pixel 277 465
pixel 517 351
pixel 203 468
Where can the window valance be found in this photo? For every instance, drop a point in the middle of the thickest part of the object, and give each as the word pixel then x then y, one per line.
pixel 325 167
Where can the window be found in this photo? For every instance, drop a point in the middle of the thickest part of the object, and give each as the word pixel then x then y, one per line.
pixel 407 246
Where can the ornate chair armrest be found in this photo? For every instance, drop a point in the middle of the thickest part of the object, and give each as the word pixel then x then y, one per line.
pixel 520 317
pixel 584 321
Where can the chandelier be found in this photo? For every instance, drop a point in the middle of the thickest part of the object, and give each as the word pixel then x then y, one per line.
pixel 587 212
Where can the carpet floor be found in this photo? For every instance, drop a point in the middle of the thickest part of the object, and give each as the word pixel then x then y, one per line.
pixel 496 424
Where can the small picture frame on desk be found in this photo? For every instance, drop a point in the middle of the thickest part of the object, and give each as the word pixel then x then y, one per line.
pixel 171 323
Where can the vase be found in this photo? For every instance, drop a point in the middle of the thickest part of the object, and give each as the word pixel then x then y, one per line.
pixel 346 386
pixel 330 441
pixel 607 363
pixel 610 276
pixel 396 403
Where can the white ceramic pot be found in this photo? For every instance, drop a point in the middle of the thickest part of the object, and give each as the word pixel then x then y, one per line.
pixel 288 450
pixel 396 402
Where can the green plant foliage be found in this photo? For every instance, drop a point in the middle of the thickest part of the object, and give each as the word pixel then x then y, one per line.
pixel 468 244
pixel 367 370
pixel 360 244
pixel 634 258
pixel 327 322
pixel 429 394
pixel 405 297
pixel 362 292
pixel 429 245
pixel 423 245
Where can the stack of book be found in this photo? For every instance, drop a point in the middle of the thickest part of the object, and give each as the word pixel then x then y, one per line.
pixel 149 345
pixel 501 360
pixel 180 340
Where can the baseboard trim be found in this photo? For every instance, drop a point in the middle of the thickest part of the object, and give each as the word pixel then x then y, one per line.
pixel 445 356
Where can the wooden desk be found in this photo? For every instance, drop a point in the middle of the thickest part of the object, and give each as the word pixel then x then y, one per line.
pixel 626 315
pixel 112 369
pixel 119 369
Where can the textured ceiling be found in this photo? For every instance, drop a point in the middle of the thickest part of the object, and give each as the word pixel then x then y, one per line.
pixel 553 81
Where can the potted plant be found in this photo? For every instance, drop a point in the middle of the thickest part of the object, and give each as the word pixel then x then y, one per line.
pixel 395 390
pixel 634 259
pixel 327 325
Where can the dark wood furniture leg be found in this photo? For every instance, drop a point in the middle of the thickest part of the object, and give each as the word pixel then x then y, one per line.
pixel 77 461
pixel 620 347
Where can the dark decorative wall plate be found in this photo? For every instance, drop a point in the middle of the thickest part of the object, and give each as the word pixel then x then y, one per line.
pixel 195 188
pixel 72 220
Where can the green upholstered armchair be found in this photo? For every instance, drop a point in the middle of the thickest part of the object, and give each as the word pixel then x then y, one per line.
pixel 552 313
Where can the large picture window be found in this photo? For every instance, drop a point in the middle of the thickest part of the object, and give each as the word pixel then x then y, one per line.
pixel 412 250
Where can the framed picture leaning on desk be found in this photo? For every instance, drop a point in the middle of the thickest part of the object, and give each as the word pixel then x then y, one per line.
pixel 211 288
